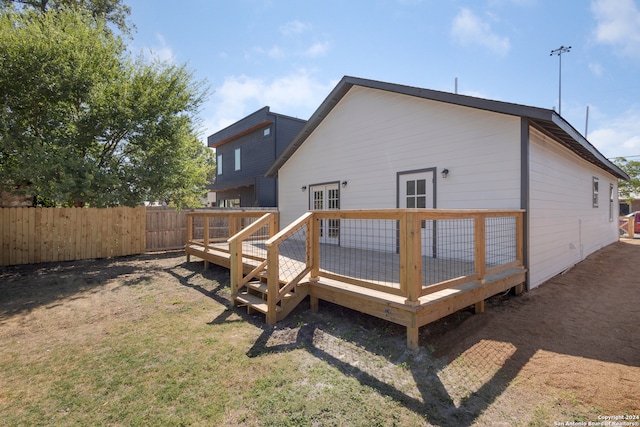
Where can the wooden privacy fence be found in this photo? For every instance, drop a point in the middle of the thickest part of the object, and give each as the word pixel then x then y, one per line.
pixel 33 235
pixel 166 228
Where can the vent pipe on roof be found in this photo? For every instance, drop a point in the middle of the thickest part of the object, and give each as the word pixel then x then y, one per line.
pixel 456 86
pixel 586 123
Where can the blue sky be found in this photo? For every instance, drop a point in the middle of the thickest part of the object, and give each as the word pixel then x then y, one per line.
pixel 289 54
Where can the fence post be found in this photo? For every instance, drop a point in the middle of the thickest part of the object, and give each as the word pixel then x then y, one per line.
pixel 480 239
pixel 410 257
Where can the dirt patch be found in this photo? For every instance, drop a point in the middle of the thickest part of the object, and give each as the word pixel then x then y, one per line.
pixel 578 334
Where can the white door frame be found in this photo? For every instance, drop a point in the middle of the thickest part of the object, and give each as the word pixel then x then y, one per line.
pixel 429 202
pixel 326 196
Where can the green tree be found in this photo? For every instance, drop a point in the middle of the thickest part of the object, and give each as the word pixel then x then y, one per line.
pixel 110 11
pixel 83 123
pixel 628 190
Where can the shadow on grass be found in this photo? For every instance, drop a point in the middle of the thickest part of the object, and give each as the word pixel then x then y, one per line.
pixel 489 355
pixel 374 352
pixel 369 349
pixel 24 288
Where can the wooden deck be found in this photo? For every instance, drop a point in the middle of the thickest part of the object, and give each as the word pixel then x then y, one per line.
pixel 411 290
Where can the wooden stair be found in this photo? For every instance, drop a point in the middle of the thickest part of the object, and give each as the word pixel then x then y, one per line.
pixel 255 293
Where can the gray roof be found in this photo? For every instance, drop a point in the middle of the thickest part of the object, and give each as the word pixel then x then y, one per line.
pixel 547 121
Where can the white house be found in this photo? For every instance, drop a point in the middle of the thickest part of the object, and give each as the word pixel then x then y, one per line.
pixel 371 143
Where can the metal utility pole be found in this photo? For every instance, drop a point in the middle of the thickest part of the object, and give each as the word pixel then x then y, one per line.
pixel 559 51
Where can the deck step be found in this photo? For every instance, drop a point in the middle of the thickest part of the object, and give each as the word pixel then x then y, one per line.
pixel 262 288
pixel 258 286
pixel 254 302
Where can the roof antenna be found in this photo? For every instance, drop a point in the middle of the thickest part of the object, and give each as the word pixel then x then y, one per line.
pixel 456 89
pixel 559 51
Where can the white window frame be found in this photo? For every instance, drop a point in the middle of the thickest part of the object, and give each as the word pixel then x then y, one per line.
pixel 237 159
pixel 611 189
pixel 595 191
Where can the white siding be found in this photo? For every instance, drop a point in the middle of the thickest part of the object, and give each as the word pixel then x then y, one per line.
pixel 371 135
pixel 564 226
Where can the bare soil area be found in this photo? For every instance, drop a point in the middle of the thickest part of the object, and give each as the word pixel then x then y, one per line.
pixel 579 333
pixel 568 351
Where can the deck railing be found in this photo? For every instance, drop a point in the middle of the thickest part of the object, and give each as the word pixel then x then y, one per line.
pixel 206 228
pixel 255 233
pixel 405 252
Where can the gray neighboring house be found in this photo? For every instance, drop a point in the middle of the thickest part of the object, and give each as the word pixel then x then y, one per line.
pixel 245 150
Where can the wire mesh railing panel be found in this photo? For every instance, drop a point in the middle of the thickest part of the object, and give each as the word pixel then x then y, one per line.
pixel 448 249
pixel 500 241
pixel 197 230
pixel 218 228
pixel 254 246
pixel 366 249
pixel 293 254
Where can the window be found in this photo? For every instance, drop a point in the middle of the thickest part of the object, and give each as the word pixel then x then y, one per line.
pixel 237 159
pixel 266 132
pixel 417 193
pixel 229 203
pixel 595 192
pixel 219 164
pixel 610 202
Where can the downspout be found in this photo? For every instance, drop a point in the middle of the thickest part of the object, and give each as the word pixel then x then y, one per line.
pixel 524 194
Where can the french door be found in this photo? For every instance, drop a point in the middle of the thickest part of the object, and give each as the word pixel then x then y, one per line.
pixel 327 197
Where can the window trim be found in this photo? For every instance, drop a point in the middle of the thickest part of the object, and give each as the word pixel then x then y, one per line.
pixel 595 187
pixel 237 159
pixel 611 192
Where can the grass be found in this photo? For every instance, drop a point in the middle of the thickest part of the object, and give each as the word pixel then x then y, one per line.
pixel 87 344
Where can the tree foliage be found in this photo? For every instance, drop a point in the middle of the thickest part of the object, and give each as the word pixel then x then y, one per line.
pixel 110 11
pixel 629 190
pixel 83 123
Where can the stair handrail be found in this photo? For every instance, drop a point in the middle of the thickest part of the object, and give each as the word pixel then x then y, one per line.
pixel 274 292
pixel 236 265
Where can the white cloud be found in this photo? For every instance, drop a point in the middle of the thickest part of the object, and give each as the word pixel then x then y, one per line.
pixel 620 136
pixel 294 27
pixel 317 49
pixel 162 51
pixel 274 52
pixel 618 24
pixel 469 29
pixel 596 68
pixel 297 94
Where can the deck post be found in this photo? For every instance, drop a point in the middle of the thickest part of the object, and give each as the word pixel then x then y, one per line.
pixel 273 224
pixel 411 257
pixel 235 267
pixel 189 233
pixel 520 237
pixel 189 228
pixel 273 282
pixel 233 224
pixel 480 239
pixel 313 247
pixel 412 337
pixel 206 231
